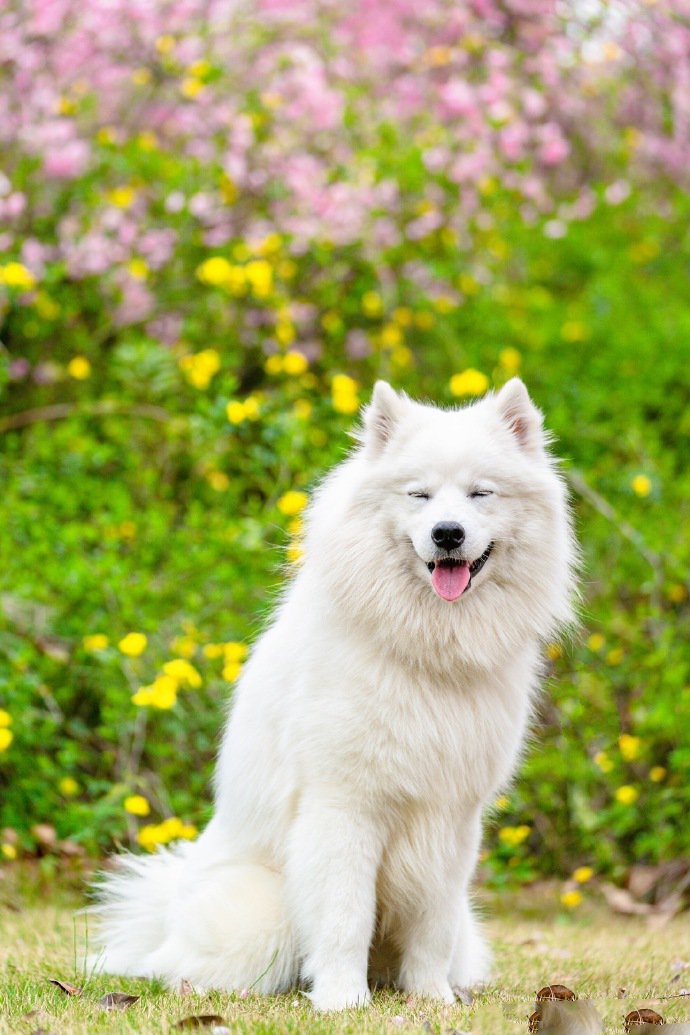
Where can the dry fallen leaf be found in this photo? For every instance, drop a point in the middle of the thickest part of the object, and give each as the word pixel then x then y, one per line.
pixel 201 1020
pixel 65 986
pixel 643 1016
pixel 186 987
pixel 118 1001
pixel 555 992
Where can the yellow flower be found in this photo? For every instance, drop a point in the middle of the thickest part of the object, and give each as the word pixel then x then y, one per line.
pixel 218 480
pixel 285 333
pixel 468 284
pixel 216 270
pixel 162 693
pixel 185 673
pixel 615 656
pixel 79 368
pixel 391 336
pixel 445 304
pixel 200 367
pixel 596 641
pixel 137 805
pixel 9 852
pixel 402 357
pixel 252 410
pixel 213 650
pixel 138 269
pixel 571 899
pixel 105 135
pixel 554 651
pixel 627 795
pixel 287 268
pixel 502 802
pixel 147 140
pixel 133 644
pixel 292 503
pixel 574 330
pixel 16 275
pixel 295 363
pixel 372 303
pixel 510 359
pixel 657 773
pixel 6 738
pixel 68 786
pixel 46 306
pixel 514 836
pixel 260 277
pixel 191 87
pixel 200 69
pixel 402 316
pixel 188 832
pixel 95 642
pixel 141 76
pixel 231 670
pixel 234 411
pixel 184 646
pixel 582 874
pixel 274 365
pixel 164 44
pixel 143 697
pixel 629 746
pixel 302 409
pixel 296 526
pixel 121 197
pixel 424 320
pixel 603 761
pixel 5 719
pixel 677 593
pixel 235 651
pixel 149 837
pixel 641 485
pixel 469 382
pixel 344 394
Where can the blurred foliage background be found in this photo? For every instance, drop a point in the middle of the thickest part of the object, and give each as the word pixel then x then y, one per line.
pixel 217 228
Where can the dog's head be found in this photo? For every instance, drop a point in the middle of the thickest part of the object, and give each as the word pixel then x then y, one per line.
pixel 461 490
pixel 461 512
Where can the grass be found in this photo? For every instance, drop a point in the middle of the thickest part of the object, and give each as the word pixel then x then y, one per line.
pixel 591 951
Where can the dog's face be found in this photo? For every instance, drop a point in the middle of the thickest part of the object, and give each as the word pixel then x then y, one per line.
pixel 461 494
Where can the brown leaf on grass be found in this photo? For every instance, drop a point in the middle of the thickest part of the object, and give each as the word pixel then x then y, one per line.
pixel 200 1020
pixel 45 834
pixel 117 1001
pixel 555 992
pixel 643 1016
pixel 621 901
pixel 186 987
pixel 65 986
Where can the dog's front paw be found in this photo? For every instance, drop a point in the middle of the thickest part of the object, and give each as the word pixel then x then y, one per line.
pixel 430 986
pixel 334 994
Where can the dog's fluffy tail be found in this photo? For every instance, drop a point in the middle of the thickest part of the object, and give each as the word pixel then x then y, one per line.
pixel 220 925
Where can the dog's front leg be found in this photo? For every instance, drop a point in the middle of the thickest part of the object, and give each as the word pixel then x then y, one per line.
pixel 333 857
pixel 443 866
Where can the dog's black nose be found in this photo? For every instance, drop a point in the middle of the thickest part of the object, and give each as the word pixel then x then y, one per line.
pixel 449 535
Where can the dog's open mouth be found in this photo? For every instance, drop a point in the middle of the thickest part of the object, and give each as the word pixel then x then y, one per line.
pixel 451 576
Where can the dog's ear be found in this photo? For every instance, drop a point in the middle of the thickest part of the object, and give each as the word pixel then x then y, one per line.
pixel 381 415
pixel 521 416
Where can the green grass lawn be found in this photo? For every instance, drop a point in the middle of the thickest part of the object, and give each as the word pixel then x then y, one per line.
pixel 594 953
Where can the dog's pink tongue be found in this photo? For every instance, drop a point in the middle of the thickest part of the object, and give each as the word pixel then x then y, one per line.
pixel 450 583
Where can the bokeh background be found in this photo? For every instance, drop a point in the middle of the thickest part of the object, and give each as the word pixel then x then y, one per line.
pixel 219 223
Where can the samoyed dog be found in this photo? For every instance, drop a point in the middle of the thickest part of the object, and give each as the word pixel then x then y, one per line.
pixel 379 714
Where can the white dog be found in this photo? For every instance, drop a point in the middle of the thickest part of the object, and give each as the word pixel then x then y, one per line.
pixel 379 714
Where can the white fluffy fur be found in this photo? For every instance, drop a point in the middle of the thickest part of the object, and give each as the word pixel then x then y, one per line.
pixel 371 726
